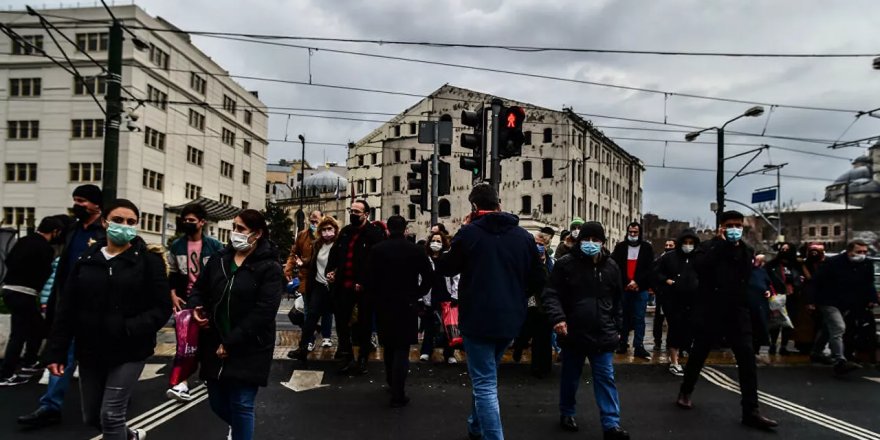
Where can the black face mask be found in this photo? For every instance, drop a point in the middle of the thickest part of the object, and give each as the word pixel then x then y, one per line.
pixel 355 219
pixel 81 212
pixel 189 228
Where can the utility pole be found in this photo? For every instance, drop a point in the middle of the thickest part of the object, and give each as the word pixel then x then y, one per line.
pixel 435 176
pixel 114 113
pixel 719 178
pixel 496 161
pixel 301 214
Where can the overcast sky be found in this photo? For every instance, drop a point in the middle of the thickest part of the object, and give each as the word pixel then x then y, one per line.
pixel 791 26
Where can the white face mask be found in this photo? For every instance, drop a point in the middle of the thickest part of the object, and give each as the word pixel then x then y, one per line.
pixel 574 233
pixel 435 246
pixel 240 241
pixel 687 248
pixel 858 258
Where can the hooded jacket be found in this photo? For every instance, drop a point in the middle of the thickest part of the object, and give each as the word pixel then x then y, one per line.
pixel 112 308
pixel 64 267
pixel 679 267
pixel 252 296
pixel 500 268
pixel 844 284
pixel 586 295
pixel 724 270
pixel 644 275
pixel 179 265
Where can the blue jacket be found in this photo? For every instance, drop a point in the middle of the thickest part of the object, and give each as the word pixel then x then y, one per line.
pixel 500 268
pixel 178 277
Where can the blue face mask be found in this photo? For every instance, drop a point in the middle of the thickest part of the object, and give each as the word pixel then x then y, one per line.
pixel 120 234
pixel 733 234
pixel 313 227
pixel 541 249
pixel 590 249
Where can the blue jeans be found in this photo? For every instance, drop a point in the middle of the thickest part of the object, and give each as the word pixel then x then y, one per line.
pixel 58 385
pixel 604 389
pixel 634 306
pixel 234 403
pixel 483 357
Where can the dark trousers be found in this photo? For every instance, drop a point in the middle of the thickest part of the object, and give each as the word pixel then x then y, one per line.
pixel 678 319
pixel 105 393
pixel 396 369
pixel 365 324
pixel 344 302
pixel 659 317
pixel 734 323
pixel 435 334
pixel 538 330
pixel 318 303
pixel 26 332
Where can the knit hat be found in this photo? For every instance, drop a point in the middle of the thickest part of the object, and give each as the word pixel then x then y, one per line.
pixel 592 230
pixel 89 192
pixel 576 223
pixel 730 215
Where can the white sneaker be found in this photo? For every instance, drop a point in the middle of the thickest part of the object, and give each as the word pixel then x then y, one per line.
pixel 424 358
pixel 326 343
pixel 452 360
pixel 44 379
pixel 676 370
pixel 139 434
pixel 179 395
pixel 311 346
pixel 76 373
pixel 229 436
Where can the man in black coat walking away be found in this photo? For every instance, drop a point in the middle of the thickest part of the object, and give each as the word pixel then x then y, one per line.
pixel 635 258
pixel 724 265
pixel 399 273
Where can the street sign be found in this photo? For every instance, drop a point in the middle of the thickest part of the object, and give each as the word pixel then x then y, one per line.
pixel 766 195
pixel 445 133
pixel 426 132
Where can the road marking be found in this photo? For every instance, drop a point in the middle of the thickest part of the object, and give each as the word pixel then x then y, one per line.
pixel 304 380
pixel 199 394
pixel 151 371
pixel 873 379
pixel 176 413
pixel 720 379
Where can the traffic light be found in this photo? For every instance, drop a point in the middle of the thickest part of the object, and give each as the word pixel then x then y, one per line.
pixel 510 135
pixel 444 181
pixel 474 141
pixel 418 181
pixel 444 139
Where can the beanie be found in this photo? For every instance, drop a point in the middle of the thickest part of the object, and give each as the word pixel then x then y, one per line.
pixel 576 222
pixel 592 230
pixel 89 192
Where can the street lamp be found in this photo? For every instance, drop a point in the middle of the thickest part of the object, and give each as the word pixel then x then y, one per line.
pixel 719 178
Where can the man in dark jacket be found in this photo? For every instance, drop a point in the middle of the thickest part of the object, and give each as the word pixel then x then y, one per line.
pixel 30 265
pixel 724 266
pixel 844 284
pixel 347 270
pixel 582 301
pixel 399 274
pixel 84 232
pixel 635 258
pixel 499 266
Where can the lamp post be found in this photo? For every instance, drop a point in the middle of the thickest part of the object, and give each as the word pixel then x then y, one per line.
pixel 719 176
pixel 301 215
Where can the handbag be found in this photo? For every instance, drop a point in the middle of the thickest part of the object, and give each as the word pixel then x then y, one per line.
pixel 449 315
pixel 185 361
pixel 297 314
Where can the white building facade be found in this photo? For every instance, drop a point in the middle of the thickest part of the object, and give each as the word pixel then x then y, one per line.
pixel 199 133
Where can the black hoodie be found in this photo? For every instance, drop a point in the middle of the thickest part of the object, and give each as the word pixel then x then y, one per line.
pixel 679 267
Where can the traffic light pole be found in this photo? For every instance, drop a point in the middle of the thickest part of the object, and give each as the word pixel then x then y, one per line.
pixel 114 113
pixel 495 178
pixel 435 175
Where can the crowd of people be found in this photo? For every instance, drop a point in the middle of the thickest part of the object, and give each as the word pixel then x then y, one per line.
pixel 489 288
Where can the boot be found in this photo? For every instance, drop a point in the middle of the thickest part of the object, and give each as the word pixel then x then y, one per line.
pixel 684 401
pixel 754 419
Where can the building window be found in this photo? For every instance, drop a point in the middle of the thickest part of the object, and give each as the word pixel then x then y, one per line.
pixel 197 83
pixel 23 129
pixel 374 158
pixel 18 216
pixel 159 57
pixel 412 154
pixel 25 86
pixel 248 117
pixel 396 156
pixel 360 187
pixel 412 128
pixel 95 84
pixel 28 47
pixel 395 183
pixel 360 161
pixel 151 222
pixel 87 128
pixel 21 172
pixel 153 180
pixel 226 169
pixel 527 138
pixel 411 212
pixel 444 208
pixel 85 172
pixel 93 42
pixel 194 155
pixel 225 199
pixel 246 147
pixel 526 205
pixel 196 120
pixel 397 131
pixel 229 104
pixel 246 177
pixel 193 191
pixel 244 205
pixel 527 170
pixel 548 135
pixel 395 210
pixel 837 230
pixel 154 139
pixel 824 231
pixel 157 98
pixel 548 168
pixel 547 204
pixel 228 137
pixel 372 185
pixel 223 235
pixel 812 232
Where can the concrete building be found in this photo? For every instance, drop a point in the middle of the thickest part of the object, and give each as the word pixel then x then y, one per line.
pixel 199 134
pixel 568 168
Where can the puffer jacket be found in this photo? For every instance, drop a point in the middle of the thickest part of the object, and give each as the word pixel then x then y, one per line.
pixel 586 295
pixel 254 294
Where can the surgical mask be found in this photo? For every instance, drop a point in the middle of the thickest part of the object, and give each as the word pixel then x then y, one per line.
pixel 189 228
pixel 81 212
pixel 354 219
pixel 121 235
pixel 541 249
pixel 733 234
pixel 687 248
pixel 240 241
pixel 328 235
pixel 574 233
pixel 313 227
pixel 590 249
pixel 858 258
pixel 632 239
pixel 435 246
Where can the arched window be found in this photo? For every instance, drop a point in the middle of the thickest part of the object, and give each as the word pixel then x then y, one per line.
pixel 445 210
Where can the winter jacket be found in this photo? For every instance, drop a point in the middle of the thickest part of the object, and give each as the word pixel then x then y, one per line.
pixel 311 268
pixel 178 261
pixel 367 236
pixel 47 288
pixel 844 284
pixel 724 271
pixel 29 263
pixel 644 265
pixel 64 267
pixel 679 267
pixel 399 273
pixel 500 267
pixel 112 308
pixel 251 295
pixel 304 247
pixel 587 296
pixel 786 278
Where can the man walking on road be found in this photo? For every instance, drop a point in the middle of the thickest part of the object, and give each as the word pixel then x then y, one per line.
pixel 635 257
pixel 724 265
pixel 844 285
pixel 499 266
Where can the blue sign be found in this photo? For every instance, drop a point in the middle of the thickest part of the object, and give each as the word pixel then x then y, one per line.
pixel 766 195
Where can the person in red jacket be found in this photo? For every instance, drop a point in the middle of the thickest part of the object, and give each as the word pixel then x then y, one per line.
pixel 635 257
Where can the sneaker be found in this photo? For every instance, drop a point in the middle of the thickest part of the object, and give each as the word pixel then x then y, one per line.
pixel 229 436
pixel 845 367
pixel 452 360
pixel 44 379
pixel 326 343
pixel 676 370
pixel 31 369
pixel 138 434
pixel 13 380
pixel 311 346
pixel 374 339
pixel 640 352
pixel 179 395
pixel 424 358
pixel 76 373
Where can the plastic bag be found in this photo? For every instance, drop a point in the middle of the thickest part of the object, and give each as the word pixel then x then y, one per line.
pixel 297 314
pixel 185 361
pixel 450 324
pixel 778 314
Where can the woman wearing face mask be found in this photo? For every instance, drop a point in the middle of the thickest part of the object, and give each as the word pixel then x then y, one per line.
pixel 235 300
pixel 443 289
pixel 582 301
pixel 114 301
pixel 319 300
pixel 785 272
pixel 676 272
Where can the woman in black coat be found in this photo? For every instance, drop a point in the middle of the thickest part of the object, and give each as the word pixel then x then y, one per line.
pixel 236 299
pixel 443 289
pixel 115 300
